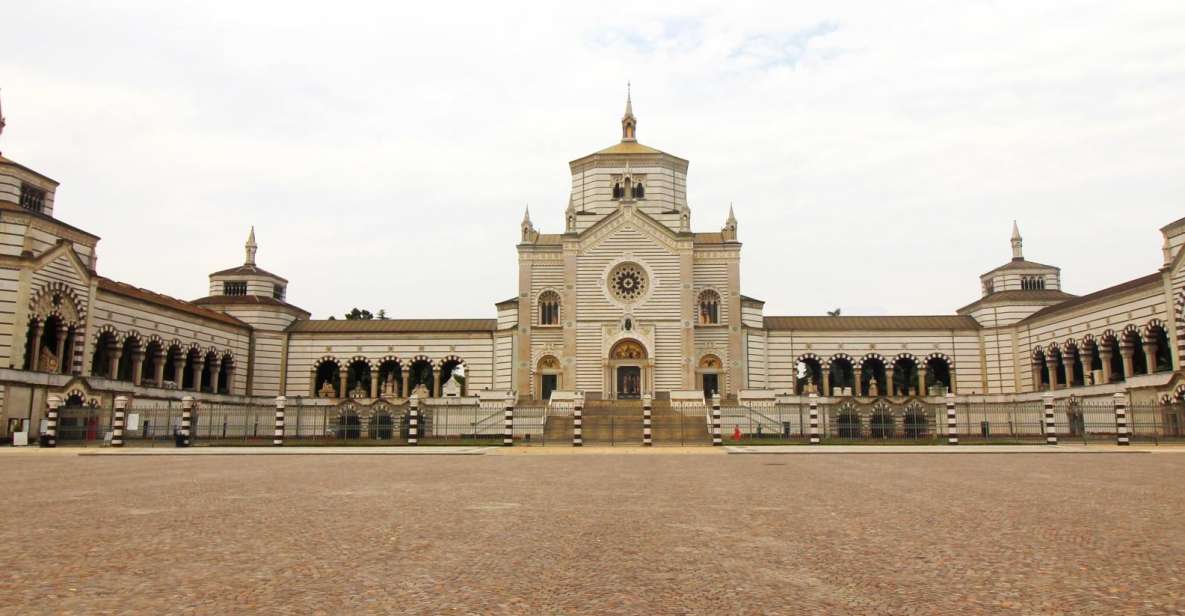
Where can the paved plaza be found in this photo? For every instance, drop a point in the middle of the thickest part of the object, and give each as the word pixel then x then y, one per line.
pixel 686 531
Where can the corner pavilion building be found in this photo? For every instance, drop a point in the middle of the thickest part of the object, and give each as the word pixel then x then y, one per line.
pixel 628 301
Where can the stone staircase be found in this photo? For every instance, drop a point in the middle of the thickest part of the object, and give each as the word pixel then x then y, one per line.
pixel 619 423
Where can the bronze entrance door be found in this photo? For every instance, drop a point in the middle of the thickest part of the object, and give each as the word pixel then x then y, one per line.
pixel 711 385
pixel 629 383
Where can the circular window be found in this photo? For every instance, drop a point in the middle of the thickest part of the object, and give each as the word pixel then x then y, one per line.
pixel 627 282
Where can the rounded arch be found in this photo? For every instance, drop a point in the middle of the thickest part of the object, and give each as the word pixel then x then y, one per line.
pixel 110 332
pixel 420 372
pixel 707 306
pixel 906 370
pixel 349 421
pixel 808 373
pixel 939 371
pixel 107 345
pixel 132 348
pixel 390 375
pixel 548 307
pixel 326 381
pixel 60 299
pixel 872 375
pixel 1157 346
pixel 841 369
pixel 454 368
pixel 359 371
pixel 628 348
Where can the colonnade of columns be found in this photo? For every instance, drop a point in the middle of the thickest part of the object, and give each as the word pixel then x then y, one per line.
pixel 1083 357
pixel 342 385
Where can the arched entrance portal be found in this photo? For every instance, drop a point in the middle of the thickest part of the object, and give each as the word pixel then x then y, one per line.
pixel 628 370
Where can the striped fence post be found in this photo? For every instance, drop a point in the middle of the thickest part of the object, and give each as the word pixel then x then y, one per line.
pixel 508 424
pixel 186 421
pixel 578 422
pixel 1122 434
pixel 278 435
pixel 1050 426
pixel 413 422
pixel 814 429
pixel 716 440
pixel 118 422
pixel 52 403
pixel 952 423
pixel 647 410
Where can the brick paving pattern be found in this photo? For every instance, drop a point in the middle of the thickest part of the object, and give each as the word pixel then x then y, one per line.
pixel 648 534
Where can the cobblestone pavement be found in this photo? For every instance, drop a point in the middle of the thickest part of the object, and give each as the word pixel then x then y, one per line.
pixel 650 534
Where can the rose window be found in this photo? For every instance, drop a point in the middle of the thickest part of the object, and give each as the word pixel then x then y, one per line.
pixel 627 282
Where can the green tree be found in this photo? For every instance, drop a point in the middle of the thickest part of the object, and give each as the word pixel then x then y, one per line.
pixel 359 315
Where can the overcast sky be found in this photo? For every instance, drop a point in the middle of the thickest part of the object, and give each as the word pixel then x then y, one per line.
pixel 876 153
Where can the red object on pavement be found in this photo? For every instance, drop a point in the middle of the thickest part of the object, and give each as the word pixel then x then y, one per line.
pixel 736 433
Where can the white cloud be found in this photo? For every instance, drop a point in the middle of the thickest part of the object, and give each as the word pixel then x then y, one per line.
pixel 876 154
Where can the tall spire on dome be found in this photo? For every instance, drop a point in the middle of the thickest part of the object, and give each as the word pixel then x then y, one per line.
pixel 1017 243
pixel 527 215
pixel 251 247
pixel 629 123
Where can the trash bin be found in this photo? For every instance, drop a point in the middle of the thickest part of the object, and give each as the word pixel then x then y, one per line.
pixel 43 440
pixel 178 440
pixel 786 429
pixel 984 429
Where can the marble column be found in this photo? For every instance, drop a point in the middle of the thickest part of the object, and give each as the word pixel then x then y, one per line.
pixel 115 352
pixel 199 365
pixel 35 352
pixel 179 371
pixel 158 366
pixel 1084 356
pixel 215 374
pixel 435 381
pixel 344 378
pixel 374 384
pixel 1128 351
pixel 889 381
pixel 859 374
pixel 1068 359
pixel 1051 365
pixel 1105 354
pixel 137 367
pixel 921 380
pixel 826 382
pixel 63 361
pixel 1036 375
pixel 1150 355
pixel 405 370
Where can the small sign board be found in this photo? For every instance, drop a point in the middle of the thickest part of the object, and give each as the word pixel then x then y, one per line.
pixel 20 439
pixel 133 423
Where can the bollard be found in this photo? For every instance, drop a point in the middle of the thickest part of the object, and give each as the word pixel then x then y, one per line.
pixel 186 421
pixel 413 422
pixel 814 406
pixel 578 422
pixel 1050 427
pixel 647 409
pixel 1122 434
pixel 51 421
pixel 716 440
pixel 278 436
pixel 952 425
pixel 508 424
pixel 118 422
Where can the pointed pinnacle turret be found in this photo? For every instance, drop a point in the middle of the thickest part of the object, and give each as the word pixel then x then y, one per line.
pixel 251 247
pixel 1017 243
pixel 629 123
pixel 732 217
pixel 527 215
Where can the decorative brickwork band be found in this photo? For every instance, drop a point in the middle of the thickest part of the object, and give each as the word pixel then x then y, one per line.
pixel 413 422
pixel 952 424
pixel 578 423
pixel 814 419
pixel 1050 427
pixel 647 409
pixel 508 424
pixel 119 421
pixel 1122 434
pixel 278 436
pixel 53 403
pixel 186 421
pixel 716 440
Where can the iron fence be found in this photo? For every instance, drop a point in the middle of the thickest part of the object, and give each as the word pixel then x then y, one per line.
pixel 765 424
pixel 882 421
